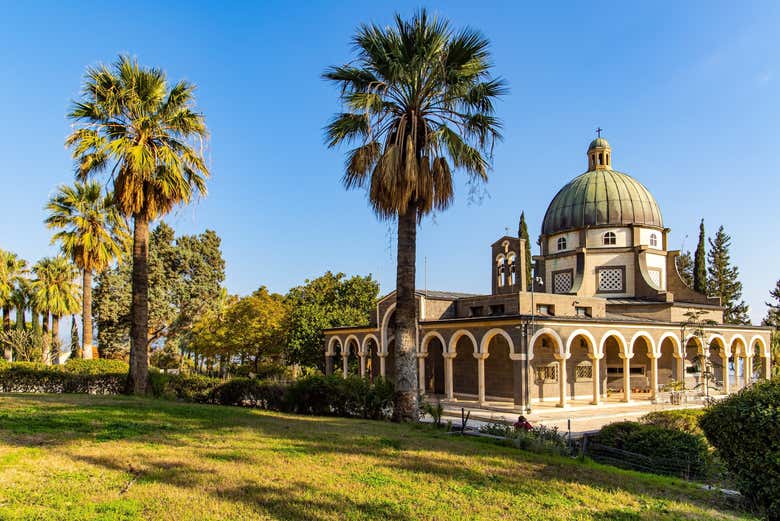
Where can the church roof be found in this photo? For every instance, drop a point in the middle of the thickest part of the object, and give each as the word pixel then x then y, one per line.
pixel 601 196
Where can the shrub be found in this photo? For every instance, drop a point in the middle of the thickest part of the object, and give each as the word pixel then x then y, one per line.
pixel 249 392
pixel 669 451
pixel 188 388
pixel 745 430
pixel 334 395
pixel 35 377
pixel 95 366
pixel 685 420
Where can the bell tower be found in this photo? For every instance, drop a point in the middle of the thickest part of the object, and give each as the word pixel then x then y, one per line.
pixel 507 265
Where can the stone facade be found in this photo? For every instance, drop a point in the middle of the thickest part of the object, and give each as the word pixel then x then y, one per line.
pixel 607 314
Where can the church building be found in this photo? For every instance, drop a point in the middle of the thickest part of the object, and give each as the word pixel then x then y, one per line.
pixel 606 316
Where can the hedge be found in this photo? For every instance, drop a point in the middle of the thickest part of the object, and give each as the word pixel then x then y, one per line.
pixel 76 376
pixel 745 430
pixel 320 395
pixel 671 451
pixel 685 420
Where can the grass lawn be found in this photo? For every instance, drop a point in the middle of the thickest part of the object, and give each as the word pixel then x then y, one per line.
pixel 85 457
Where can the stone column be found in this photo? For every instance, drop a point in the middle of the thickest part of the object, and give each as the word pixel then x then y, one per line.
pixel 626 379
pixel 345 363
pixel 448 387
pixel 653 378
pixel 562 381
pixel 748 370
pixel 726 377
pixel 596 374
pixel 328 364
pixel 481 376
pixel 362 356
pixel 681 370
pixel 421 371
pixel 382 364
pixel 518 383
pixel 768 368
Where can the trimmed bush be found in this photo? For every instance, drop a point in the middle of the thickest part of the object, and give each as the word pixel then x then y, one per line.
pixel 685 420
pixel 34 377
pixel 95 366
pixel 337 396
pixel 249 392
pixel 188 388
pixel 745 430
pixel 669 451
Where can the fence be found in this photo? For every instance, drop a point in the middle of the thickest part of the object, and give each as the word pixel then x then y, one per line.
pixel 681 468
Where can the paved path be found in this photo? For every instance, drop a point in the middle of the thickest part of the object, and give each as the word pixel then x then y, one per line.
pixel 584 418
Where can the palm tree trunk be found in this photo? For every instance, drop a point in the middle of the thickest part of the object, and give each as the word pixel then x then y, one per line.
pixel 20 318
pixel 55 339
pixel 87 351
pixel 45 338
pixel 139 328
pixel 406 318
pixel 7 352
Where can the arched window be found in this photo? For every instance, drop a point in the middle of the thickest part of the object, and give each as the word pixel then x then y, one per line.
pixel 561 243
pixel 610 239
pixel 512 260
pixel 500 270
pixel 653 240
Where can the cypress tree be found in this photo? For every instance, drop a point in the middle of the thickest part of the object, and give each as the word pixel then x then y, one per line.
pixel 724 280
pixel 699 263
pixel 522 232
pixel 773 313
pixel 75 344
pixel 685 268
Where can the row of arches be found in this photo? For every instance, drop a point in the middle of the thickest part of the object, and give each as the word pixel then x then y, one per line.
pixel 577 366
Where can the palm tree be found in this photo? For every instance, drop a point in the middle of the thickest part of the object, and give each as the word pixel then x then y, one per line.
pixel 92 233
pixel 145 134
pixel 419 104
pixel 12 271
pixel 56 294
pixel 20 298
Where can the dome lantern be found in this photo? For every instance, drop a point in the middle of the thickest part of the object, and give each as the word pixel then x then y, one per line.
pixel 599 153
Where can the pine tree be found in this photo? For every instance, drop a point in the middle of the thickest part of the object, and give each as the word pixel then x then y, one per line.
pixel 773 313
pixel 699 263
pixel 522 232
pixel 685 268
pixel 724 280
pixel 75 344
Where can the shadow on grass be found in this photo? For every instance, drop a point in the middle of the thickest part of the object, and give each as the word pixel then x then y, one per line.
pixel 61 419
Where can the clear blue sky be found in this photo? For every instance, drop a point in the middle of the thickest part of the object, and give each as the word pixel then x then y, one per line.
pixel 687 93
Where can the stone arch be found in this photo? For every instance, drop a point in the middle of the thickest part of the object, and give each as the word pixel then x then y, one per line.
pixel 677 348
pixel 348 341
pixel 647 338
pixel 464 364
pixel 719 358
pixel 330 351
pixel 593 346
pixel 427 340
pixel 488 336
pixel 496 350
pixel 764 353
pixel 623 345
pixel 368 337
pixel 457 335
pixel 738 338
pixel 546 331
pixel 384 328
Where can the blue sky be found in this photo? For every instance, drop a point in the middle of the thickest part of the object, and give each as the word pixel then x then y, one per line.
pixel 687 93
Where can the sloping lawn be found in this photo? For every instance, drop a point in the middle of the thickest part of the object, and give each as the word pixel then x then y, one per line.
pixel 85 457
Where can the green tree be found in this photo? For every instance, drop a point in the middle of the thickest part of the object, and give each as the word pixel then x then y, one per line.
pixel 145 133
pixel 331 300
pixel 92 234
pixel 56 294
pixel 21 298
pixel 522 232
pixel 723 280
pixel 12 273
pixel 685 268
pixel 700 263
pixel 773 312
pixel 419 104
pixel 185 278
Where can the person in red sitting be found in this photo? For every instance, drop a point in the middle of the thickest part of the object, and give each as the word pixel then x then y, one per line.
pixel 523 424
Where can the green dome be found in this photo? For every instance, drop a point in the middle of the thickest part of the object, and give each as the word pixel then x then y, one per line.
pixel 599 142
pixel 601 197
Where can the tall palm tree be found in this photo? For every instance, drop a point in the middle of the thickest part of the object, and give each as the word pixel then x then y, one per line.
pixel 92 233
pixel 55 293
pixel 12 271
pixel 419 104
pixel 20 298
pixel 145 134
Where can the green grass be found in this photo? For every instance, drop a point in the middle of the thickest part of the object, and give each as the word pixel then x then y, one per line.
pixel 83 457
